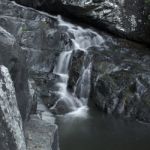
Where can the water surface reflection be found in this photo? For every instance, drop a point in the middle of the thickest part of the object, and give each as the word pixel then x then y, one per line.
pixel 94 131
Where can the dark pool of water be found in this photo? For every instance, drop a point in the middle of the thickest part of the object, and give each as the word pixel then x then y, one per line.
pixel 100 132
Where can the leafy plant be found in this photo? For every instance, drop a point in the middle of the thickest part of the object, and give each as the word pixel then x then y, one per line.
pixel 147 1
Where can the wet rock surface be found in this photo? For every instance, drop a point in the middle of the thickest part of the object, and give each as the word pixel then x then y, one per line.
pixel 25 50
pixel 39 39
pixel 116 16
pixel 120 81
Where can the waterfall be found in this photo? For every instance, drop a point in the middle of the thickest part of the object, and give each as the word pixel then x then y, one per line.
pixel 82 40
pixel 63 63
pixel 83 85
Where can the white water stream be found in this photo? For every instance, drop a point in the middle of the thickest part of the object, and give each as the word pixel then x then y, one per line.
pixel 82 40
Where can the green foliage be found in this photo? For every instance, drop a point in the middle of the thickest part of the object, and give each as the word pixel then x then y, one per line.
pixel 147 2
pixel 24 28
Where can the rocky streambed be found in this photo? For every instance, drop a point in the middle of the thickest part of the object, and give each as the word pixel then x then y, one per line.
pixel 50 67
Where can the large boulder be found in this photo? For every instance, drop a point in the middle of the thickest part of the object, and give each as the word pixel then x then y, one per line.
pixel 121 80
pixel 11 129
pixel 122 17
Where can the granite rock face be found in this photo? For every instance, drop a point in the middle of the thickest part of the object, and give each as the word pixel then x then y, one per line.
pixel 39 36
pixel 11 129
pixel 12 57
pixel 40 41
pixel 121 17
pixel 41 132
pixel 26 48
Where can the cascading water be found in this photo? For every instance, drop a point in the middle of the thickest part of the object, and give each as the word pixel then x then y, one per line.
pixel 63 63
pixel 82 40
pixel 82 128
pixel 61 69
pixel 83 85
